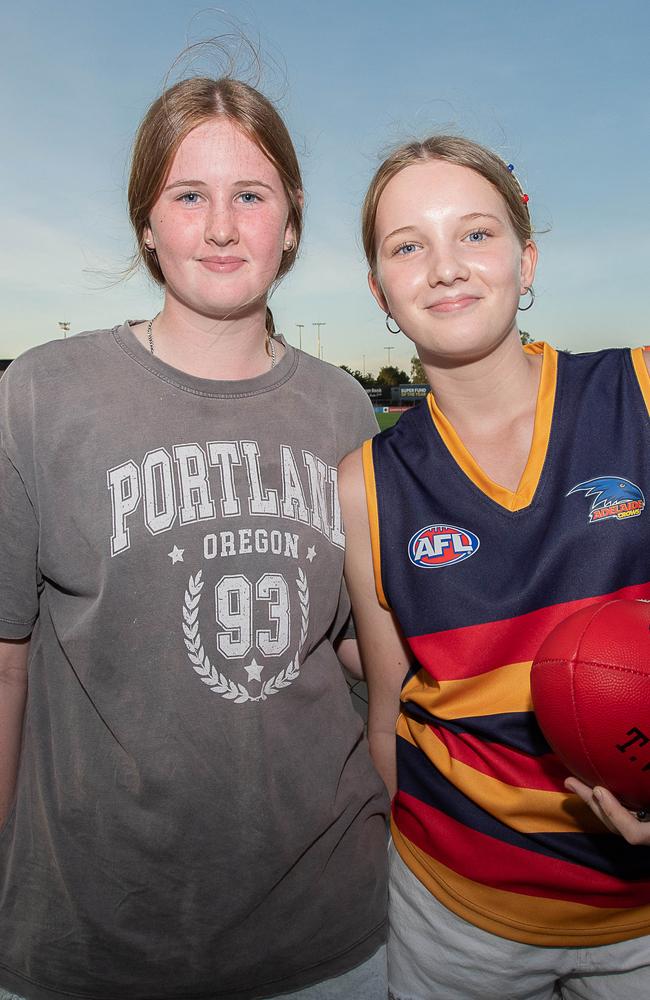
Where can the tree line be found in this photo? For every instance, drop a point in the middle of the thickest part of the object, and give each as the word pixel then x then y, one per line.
pixel 390 376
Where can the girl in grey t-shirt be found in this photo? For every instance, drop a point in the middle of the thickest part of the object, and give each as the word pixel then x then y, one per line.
pixel 192 811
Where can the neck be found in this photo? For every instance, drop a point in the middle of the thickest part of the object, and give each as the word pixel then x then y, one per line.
pixel 488 390
pixel 214 348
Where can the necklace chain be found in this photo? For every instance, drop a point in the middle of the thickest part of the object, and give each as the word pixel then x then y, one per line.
pixel 270 341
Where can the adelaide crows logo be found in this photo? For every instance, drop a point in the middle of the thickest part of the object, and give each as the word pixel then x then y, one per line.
pixel 613 496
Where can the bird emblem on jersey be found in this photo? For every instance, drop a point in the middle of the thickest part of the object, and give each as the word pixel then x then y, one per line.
pixel 613 497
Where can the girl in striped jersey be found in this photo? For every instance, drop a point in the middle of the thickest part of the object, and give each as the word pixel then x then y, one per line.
pixel 467 542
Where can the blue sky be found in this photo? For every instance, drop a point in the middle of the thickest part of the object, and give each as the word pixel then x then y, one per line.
pixel 560 88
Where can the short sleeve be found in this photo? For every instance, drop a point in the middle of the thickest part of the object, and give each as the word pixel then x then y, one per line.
pixel 19 530
pixel 357 421
pixel 18 555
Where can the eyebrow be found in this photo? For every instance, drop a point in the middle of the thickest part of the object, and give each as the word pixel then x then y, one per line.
pixel 191 182
pixel 480 215
pixel 464 218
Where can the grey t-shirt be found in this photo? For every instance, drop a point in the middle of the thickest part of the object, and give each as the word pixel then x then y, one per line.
pixel 196 812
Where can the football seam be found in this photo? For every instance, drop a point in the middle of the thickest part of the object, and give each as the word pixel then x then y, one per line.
pixel 597 663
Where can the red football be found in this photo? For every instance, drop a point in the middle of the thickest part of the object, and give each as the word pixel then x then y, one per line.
pixel 590 683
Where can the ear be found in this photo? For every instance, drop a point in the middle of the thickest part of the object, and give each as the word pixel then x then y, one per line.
pixel 289 233
pixel 378 294
pixel 529 256
pixel 289 237
pixel 148 239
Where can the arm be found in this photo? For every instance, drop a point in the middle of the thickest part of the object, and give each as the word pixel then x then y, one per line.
pixel 348 653
pixel 383 651
pixel 609 811
pixel 13 691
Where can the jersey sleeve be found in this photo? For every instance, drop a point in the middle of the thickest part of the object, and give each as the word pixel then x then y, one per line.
pixel 18 531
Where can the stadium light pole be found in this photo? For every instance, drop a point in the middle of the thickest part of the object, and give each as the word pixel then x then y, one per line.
pixel 389 349
pixel 301 327
pixel 65 326
pixel 364 365
pixel 318 325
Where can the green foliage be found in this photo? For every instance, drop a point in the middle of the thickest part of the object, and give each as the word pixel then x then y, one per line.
pixel 418 375
pixel 389 376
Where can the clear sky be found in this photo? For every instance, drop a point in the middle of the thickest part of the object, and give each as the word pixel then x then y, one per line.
pixel 558 87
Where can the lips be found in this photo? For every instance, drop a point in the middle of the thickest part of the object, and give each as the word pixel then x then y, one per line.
pixel 452 305
pixel 221 265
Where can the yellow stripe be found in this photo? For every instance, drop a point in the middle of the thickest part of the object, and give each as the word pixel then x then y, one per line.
pixel 503 689
pixel 531 919
pixel 642 373
pixel 373 519
pixel 528 810
pixel 525 491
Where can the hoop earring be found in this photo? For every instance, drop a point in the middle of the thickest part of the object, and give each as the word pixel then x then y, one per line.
pixel 388 326
pixel 529 291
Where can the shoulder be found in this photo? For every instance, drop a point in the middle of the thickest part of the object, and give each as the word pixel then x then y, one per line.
pixel 329 375
pixel 41 383
pixel 56 356
pixel 337 401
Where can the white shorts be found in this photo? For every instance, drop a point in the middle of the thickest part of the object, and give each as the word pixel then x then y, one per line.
pixel 435 955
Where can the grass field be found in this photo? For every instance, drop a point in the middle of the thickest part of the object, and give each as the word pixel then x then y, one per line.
pixel 387 419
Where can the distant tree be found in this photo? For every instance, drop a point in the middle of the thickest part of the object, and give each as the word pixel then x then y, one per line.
pixel 367 380
pixel 389 376
pixel 417 371
pixel 526 337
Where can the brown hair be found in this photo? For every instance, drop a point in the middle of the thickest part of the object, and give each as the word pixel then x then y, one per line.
pixel 452 149
pixel 178 111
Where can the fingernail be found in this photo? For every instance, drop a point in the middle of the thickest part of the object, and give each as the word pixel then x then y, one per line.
pixel 598 795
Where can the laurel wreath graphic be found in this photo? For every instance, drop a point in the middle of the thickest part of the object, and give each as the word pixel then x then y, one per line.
pixel 218 682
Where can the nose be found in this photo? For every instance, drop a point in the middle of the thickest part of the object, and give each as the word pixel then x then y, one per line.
pixel 446 264
pixel 220 224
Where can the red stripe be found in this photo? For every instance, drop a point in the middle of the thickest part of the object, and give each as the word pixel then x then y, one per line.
pixel 467 652
pixel 513 767
pixel 491 862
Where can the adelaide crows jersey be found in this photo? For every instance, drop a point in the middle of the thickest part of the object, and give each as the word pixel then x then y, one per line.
pixel 477 576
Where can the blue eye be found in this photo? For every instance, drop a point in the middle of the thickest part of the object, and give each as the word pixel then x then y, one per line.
pixel 405 249
pixel 478 236
pixel 190 198
pixel 249 198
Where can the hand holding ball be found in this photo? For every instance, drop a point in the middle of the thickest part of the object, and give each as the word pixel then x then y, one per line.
pixel 590 684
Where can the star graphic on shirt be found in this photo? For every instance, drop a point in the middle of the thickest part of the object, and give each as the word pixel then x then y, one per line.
pixel 254 670
pixel 176 555
pixel 311 553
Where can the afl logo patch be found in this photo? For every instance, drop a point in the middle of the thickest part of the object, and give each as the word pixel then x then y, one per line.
pixel 441 545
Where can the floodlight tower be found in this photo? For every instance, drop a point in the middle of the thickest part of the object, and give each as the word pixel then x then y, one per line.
pixel 301 327
pixel 65 326
pixel 318 325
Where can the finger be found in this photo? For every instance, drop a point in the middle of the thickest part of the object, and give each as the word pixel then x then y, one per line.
pixel 586 793
pixel 624 821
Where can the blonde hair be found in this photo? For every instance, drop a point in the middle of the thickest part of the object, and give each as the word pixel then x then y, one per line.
pixel 452 149
pixel 178 111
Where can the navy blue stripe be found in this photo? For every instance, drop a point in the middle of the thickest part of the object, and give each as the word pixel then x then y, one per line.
pixel 607 853
pixel 517 730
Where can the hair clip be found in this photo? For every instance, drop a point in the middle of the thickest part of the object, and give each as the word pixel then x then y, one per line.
pixel 524 197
